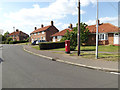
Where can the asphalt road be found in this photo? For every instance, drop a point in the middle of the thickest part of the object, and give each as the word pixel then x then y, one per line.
pixel 23 70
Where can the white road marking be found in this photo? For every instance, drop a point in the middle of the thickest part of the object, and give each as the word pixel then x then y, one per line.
pixel 115 73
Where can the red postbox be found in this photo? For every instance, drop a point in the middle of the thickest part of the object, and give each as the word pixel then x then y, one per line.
pixel 67 46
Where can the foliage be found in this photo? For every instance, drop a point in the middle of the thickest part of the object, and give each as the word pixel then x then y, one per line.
pixel 8 40
pixel 5 36
pixel 51 45
pixel 27 39
pixel 15 42
pixel 84 32
pixel 72 36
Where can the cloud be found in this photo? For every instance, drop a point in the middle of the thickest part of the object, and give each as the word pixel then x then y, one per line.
pixel 0 9
pixel 57 10
pixel 112 20
pixel 30 17
pixel 87 2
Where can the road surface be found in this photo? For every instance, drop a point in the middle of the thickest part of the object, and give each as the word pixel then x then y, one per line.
pixel 24 70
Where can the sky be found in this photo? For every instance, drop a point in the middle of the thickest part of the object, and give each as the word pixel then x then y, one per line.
pixel 24 15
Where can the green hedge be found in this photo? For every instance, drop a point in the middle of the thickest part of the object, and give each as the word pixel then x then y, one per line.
pixel 15 42
pixel 51 45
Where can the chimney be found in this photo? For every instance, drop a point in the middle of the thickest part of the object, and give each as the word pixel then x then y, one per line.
pixel 35 28
pixel 17 30
pixel 42 25
pixel 98 22
pixel 71 26
pixel 52 23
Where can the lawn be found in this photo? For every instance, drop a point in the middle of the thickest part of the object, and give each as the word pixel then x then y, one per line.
pixel 103 56
pixel 91 55
pixel 109 48
pixel 24 43
pixel 89 48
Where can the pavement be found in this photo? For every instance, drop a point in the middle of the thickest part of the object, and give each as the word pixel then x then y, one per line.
pixel 110 66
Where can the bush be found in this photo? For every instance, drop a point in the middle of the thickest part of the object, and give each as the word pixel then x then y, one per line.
pixel 51 45
pixel 15 42
pixel 72 36
pixel 3 42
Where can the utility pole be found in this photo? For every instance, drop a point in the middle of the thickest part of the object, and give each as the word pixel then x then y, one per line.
pixel 14 33
pixel 78 28
pixel 97 33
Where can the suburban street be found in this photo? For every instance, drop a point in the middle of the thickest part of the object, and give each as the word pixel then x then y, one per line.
pixel 24 70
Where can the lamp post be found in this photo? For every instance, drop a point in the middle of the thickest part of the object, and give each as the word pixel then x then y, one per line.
pixel 97 33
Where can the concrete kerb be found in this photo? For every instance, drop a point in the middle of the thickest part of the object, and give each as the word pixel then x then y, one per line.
pixel 75 64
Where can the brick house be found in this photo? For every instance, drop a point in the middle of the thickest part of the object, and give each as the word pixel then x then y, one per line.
pixel 108 34
pixel 58 36
pixel 44 33
pixel 18 35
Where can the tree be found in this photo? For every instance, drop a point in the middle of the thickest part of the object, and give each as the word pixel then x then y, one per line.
pixel 5 36
pixel 72 36
pixel 84 32
pixel 8 40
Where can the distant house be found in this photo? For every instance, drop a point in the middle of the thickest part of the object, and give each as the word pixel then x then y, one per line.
pixel 108 34
pixel 18 35
pixel 44 33
pixel 58 36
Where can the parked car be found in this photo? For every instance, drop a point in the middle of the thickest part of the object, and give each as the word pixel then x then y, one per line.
pixel 39 41
pixel 34 42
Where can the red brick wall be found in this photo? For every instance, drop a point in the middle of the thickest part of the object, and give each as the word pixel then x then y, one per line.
pixel 20 37
pixel 111 38
pixel 47 34
pixel 38 36
pixel 92 40
pixel 52 30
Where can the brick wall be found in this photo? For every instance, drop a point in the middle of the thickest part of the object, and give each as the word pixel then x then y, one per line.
pixel 47 34
pixel 111 38
pixel 92 40
pixel 52 30
pixel 20 37
pixel 38 36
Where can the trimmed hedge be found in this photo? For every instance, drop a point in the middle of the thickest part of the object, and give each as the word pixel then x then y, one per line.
pixel 15 42
pixel 51 45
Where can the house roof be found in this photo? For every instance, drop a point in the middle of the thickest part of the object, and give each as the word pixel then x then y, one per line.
pixel 16 33
pixel 103 28
pixel 41 29
pixel 62 33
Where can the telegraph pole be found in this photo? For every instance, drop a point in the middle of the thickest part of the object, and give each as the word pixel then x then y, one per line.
pixel 14 33
pixel 97 33
pixel 78 28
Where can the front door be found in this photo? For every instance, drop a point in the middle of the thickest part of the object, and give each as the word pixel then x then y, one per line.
pixel 116 38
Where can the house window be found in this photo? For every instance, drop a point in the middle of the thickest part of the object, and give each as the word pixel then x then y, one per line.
pixel 59 38
pixel 41 38
pixel 103 36
pixel 106 36
pixel 43 32
pixel 34 33
pixel 38 33
pixel 38 39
